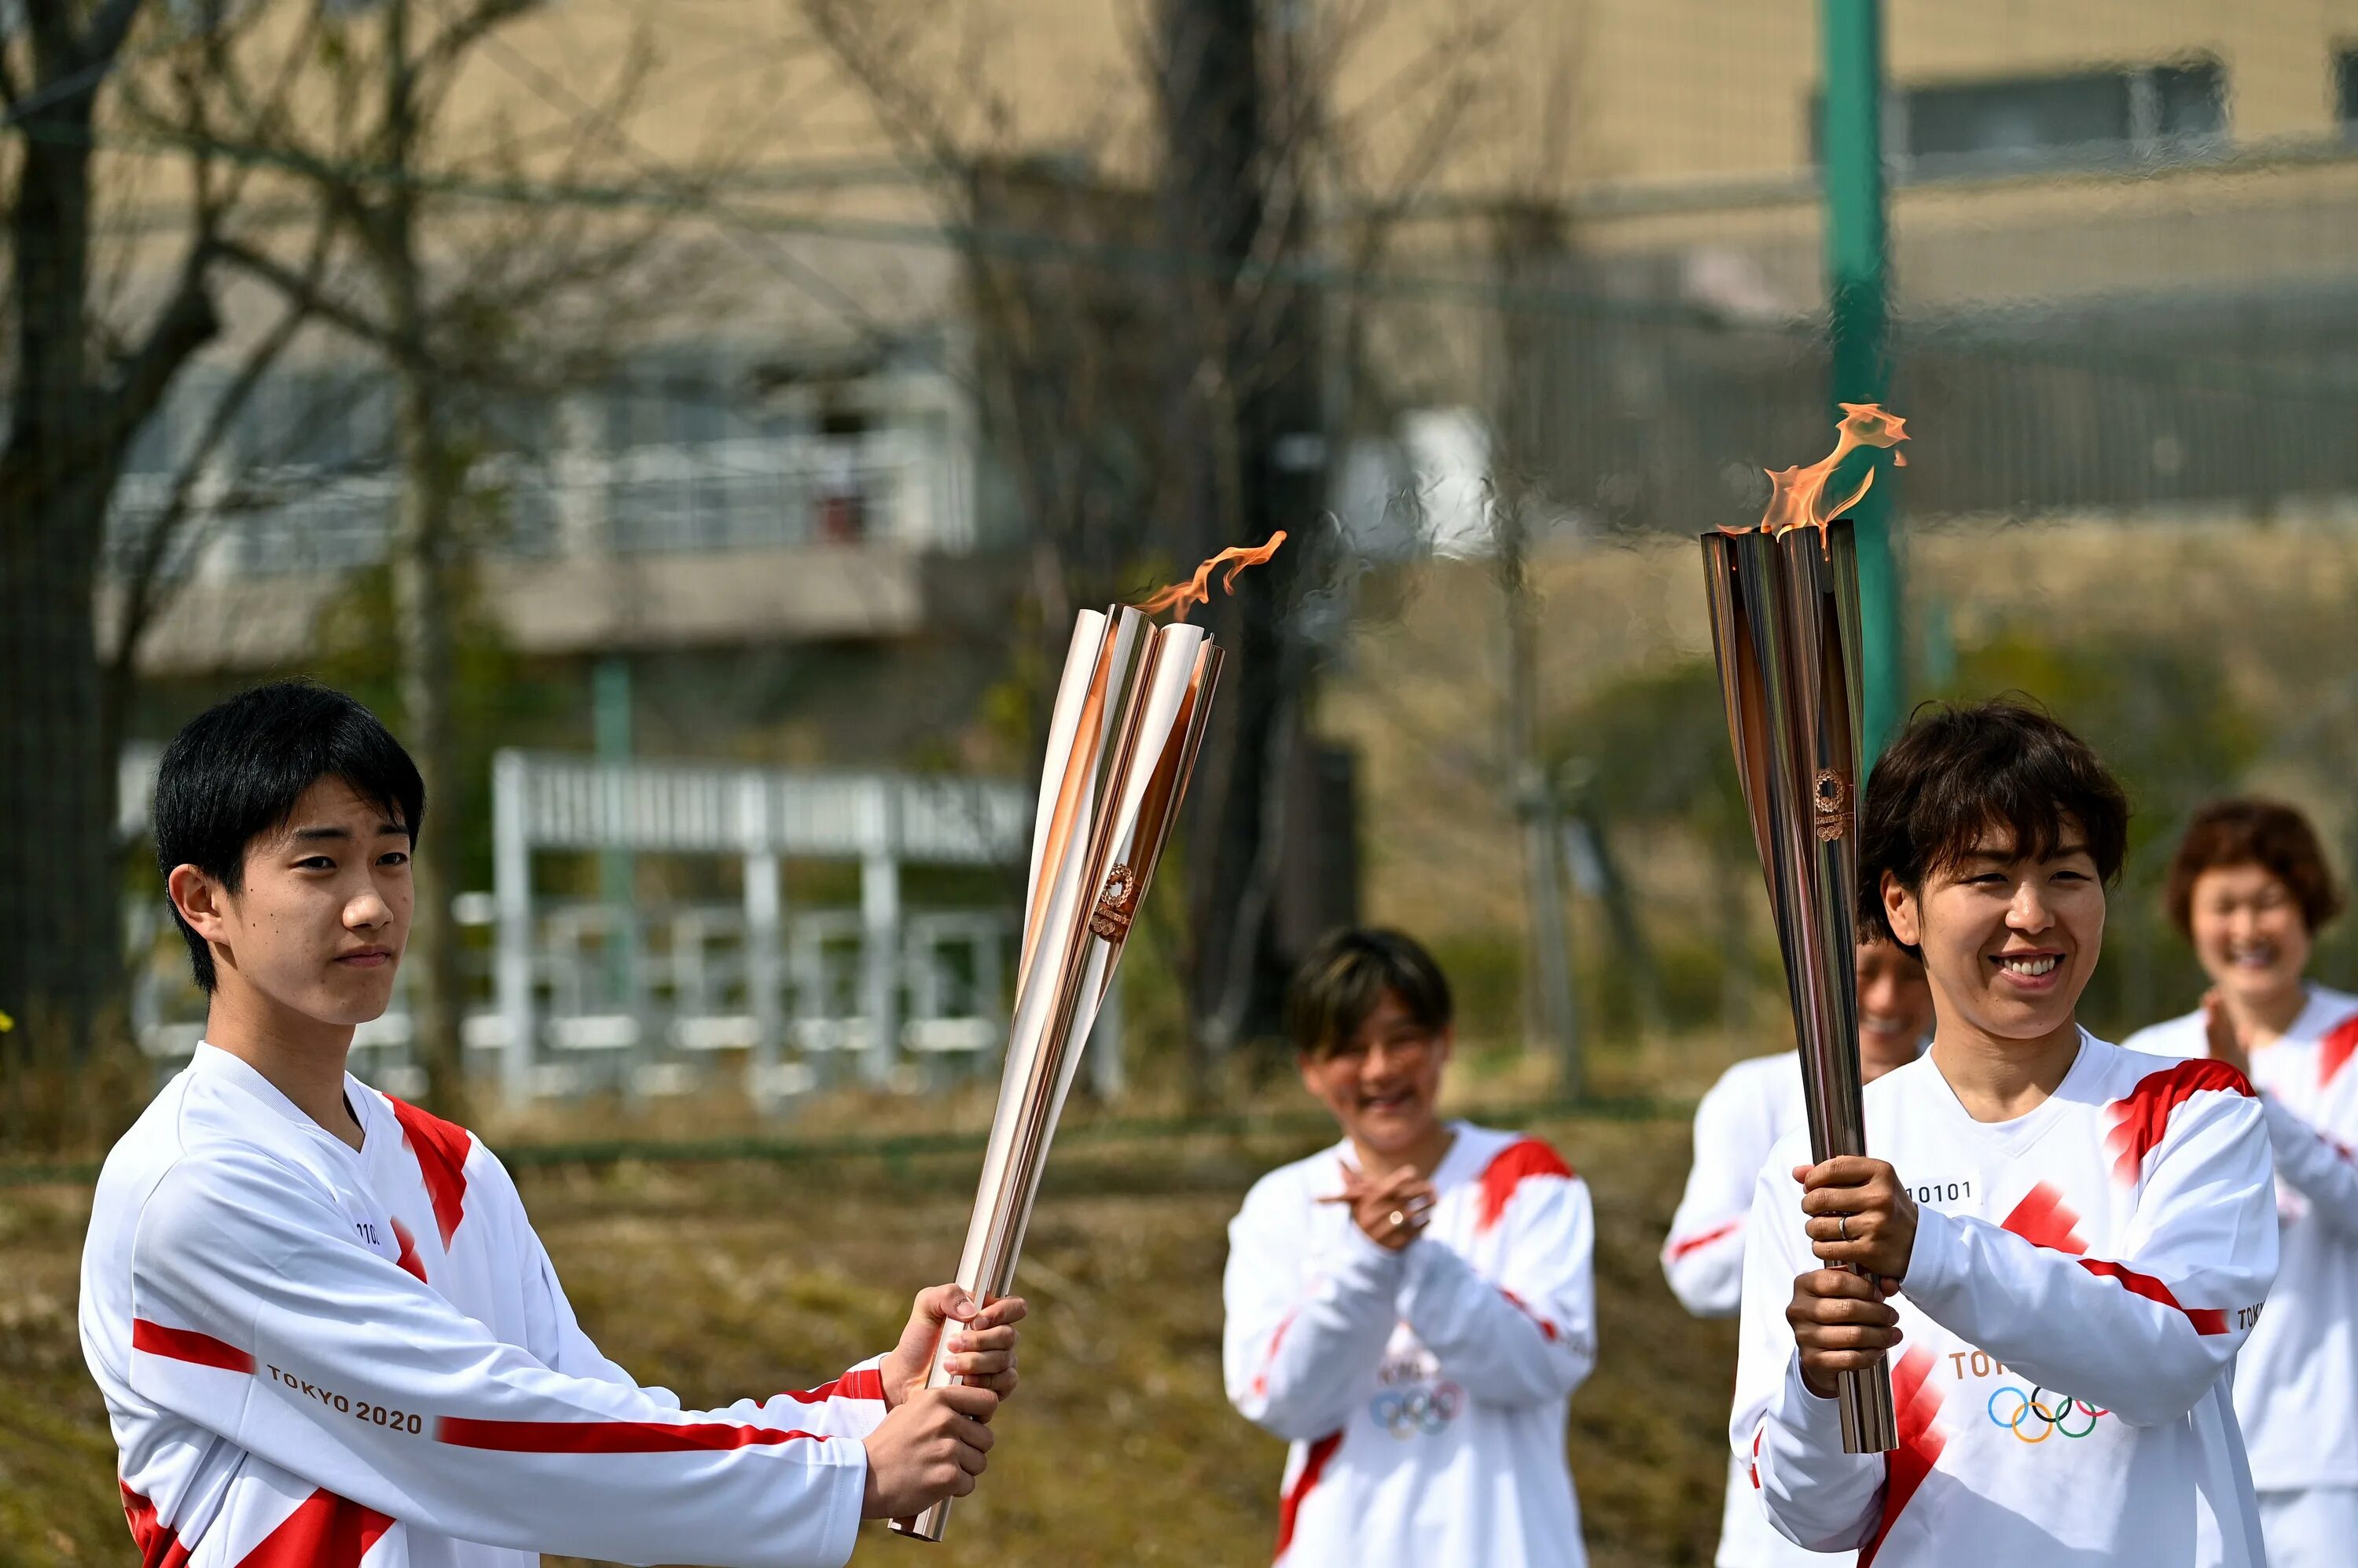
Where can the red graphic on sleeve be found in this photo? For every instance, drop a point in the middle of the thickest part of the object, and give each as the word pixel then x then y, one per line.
pixel 1918 1405
pixel 441 1150
pixel 2334 1053
pixel 159 1544
pixel 187 1344
pixel 868 1383
pixel 607 1436
pixel 2141 1118
pixel 1679 1247
pixel 1313 1465
pixel 1547 1330
pixel 2043 1219
pixel 1509 1169
pixel 324 1532
pixel 408 1244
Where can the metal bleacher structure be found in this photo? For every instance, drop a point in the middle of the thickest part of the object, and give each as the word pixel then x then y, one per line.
pixel 567 995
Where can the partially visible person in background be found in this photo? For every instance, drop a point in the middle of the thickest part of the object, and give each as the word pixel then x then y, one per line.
pixel 2250 888
pixel 1754 1104
pixel 1412 1307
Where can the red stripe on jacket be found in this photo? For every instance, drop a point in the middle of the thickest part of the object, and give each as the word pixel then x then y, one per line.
pixel 1678 1248
pixel 2334 1053
pixel 2141 1118
pixel 441 1150
pixel 1313 1465
pixel 1509 1169
pixel 324 1532
pixel 2043 1219
pixel 187 1344
pixel 2206 1320
pixel 606 1436
pixel 1918 1405
pixel 868 1383
pixel 160 1543
pixel 1547 1330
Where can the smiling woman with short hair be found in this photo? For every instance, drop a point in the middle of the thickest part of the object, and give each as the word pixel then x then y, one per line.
pixel 1412 1307
pixel 2249 887
pixel 2066 1242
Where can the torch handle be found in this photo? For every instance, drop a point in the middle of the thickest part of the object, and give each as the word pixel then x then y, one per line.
pixel 1870 1423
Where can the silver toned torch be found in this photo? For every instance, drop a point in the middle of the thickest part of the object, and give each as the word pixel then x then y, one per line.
pixel 1129 718
pixel 1785 629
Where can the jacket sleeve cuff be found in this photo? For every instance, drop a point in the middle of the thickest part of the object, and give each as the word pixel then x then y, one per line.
pixel 1937 1262
pixel 1358 1263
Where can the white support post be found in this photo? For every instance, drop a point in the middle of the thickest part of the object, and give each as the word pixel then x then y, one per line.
pixel 511 889
pixel 879 940
pixel 762 967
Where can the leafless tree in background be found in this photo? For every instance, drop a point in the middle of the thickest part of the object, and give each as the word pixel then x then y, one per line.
pixel 1155 363
pixel 467 265
pixel 80 384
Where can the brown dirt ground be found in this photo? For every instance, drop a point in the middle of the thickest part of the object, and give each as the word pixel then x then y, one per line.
pixel 721 1279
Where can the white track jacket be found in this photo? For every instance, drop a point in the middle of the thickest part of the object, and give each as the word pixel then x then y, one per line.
pixel 314 1358
pixel 1424 1391
pixel 1755 1103
pixel 2082 1279
pixel 2296 1381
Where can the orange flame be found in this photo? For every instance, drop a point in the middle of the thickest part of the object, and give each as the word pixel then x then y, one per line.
pixel 1797 496
pixel 1181 597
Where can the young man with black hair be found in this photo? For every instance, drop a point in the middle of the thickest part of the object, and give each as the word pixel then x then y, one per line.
pixel 2250 888
pixel 325 1331
pixel 2066 1241
pixel 1754 1104
pixel 1411 1308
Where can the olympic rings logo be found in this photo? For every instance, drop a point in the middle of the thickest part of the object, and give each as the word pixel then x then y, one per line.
pixel 2044 1414
pixel 1405 1415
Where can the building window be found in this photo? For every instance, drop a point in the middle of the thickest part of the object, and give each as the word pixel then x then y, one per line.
pixel 2179 110
pixel 2345 90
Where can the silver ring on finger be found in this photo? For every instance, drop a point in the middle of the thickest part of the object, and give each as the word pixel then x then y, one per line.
pixel 1842 1225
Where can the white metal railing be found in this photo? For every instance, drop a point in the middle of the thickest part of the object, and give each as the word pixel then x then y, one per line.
pixel 849 1003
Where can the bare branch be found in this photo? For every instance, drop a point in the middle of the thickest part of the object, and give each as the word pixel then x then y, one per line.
pixel 290 285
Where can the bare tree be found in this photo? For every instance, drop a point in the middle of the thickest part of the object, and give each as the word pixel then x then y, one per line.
pixel 78 388
pixel 1153 358
pixel 466 265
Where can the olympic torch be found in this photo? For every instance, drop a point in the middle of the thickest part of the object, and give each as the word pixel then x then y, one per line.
pixel 1785 629
pixel 1129 718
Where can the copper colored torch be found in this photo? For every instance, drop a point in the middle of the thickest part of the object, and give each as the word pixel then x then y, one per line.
pixel 1785 628
pixel 1129 718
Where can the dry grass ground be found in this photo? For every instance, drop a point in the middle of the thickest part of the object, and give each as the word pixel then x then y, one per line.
pixel 721 1279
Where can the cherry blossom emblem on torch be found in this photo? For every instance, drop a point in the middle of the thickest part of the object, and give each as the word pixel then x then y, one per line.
pixel 1784 608
pixel 1130 713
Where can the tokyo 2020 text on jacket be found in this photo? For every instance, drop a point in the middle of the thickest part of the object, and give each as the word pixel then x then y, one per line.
pixel 362 1359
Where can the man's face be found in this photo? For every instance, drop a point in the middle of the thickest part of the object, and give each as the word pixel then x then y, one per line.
pixel 319 924
pixel 2249 931
pixel 1383 1084
pixel 2008 941
pixel 1895 1007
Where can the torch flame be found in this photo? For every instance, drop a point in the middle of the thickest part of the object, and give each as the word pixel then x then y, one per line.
pixel 1797 496
pixel 1180 597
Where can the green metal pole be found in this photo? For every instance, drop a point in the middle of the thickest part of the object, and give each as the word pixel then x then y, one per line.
pixel 1857 279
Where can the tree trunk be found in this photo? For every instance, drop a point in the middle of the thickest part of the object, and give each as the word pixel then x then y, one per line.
pixel 422 582
pixel 1248 436
pixel 61 883
pixel 68 422
pixel 424 556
